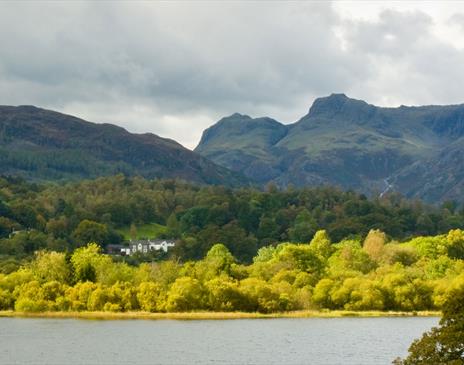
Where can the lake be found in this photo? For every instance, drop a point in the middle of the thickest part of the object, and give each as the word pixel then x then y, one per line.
pixel 314 341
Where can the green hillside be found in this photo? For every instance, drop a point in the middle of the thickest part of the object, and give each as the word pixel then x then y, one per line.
pixel 41 144
pixel 348 143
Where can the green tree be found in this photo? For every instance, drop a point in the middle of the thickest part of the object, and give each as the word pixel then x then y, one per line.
pixel 350 257
pixel 58 227
pixel 89 231
pixel 88 263
pixel 224 295
pixel 173 226
pixel 301 257
pixel 149 297
pixel 304 228
pixel 321 246
pixel 455 240
pixel 50 266
pixel 30 298
pixel 268 230
pixel 261 296
pixel 443 344
pixel 374 244
pixel 186 294
pixel 26 242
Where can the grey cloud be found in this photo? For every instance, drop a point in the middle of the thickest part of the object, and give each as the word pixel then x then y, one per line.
pixel 457 19
pixel 394 34
pixel 174 68
pixel 234 51
pixel 406 60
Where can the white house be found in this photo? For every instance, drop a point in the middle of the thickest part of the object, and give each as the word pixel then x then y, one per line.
pixel 145 246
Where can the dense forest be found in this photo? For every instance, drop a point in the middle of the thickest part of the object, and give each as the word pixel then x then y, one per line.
pixel 247 250
pixel 372 275
pixel 64 217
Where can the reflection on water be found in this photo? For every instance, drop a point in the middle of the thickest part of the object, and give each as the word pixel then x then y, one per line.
pixel 312 341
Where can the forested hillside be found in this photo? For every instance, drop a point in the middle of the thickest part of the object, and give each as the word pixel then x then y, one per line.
pixel 43 145
pixel 65 217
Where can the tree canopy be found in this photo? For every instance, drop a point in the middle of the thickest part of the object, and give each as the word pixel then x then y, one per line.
pixel 322 274
pixel 67 216
pixel 443 344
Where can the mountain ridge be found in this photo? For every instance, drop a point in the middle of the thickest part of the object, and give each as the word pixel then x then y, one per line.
pixel 414 150
pixel 42 144
pixel 346 142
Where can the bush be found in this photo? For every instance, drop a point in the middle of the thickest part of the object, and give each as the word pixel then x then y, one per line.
pixel 186 294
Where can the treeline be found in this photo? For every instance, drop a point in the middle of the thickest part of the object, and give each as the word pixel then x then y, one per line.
pixel 375 274
pixel 64 217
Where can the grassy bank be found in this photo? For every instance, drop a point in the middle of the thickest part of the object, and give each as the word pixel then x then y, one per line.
pixel 216 315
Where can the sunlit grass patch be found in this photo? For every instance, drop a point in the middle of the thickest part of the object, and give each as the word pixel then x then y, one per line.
pixel 150 230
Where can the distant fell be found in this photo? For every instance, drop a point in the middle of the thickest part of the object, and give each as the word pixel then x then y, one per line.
pixel 41 144
pixel 349 143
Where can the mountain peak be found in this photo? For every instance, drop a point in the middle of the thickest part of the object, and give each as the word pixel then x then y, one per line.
pixel 337 96
pixel 246 129
pixel 28 107
pixel 238 116
pixel 337 104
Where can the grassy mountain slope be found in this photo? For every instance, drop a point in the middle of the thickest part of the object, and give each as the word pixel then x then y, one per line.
pixel 46 145
pixel 438 178
pixel 349 143
pixel 243 144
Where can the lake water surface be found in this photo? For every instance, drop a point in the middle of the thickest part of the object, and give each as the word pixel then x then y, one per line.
pixel 314 341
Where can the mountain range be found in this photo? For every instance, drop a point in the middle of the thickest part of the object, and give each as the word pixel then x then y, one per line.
pixel 42 144
pixel 417 151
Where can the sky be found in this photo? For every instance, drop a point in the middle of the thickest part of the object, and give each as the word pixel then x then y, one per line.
pixel 175 68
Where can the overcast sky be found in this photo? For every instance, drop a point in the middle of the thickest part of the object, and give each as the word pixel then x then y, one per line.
pixel 176 68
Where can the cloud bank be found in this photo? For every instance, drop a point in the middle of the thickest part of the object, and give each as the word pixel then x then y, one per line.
pixel 175 68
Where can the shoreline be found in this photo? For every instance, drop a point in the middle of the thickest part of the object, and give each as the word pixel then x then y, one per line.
pixel 215 315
